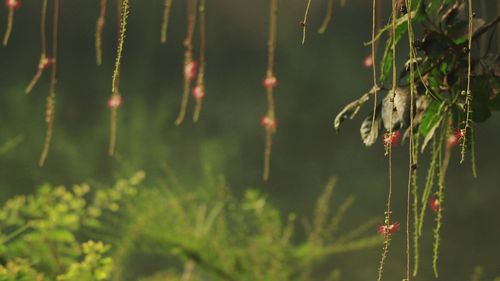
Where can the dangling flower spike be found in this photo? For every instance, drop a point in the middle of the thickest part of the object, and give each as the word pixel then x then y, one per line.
pixel 12 5
pixel 269 83
pixel 199 90
pixel 115 100
pixel 51 99
pixel 190 65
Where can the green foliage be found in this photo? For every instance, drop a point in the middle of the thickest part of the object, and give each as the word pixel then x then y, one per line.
pixel 43 232
pixel 225 238
pixel 79 234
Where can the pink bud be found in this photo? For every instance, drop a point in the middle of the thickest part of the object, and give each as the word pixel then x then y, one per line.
pixel 198 93
pixel 12 4
pixel 268 122
pixel 270 82
pixel 388 229
pixel 45 63
pixel 368 61
pixel 115 101
pixel 454 139
pixel 392 139
pixel 434 204
pixel 190 70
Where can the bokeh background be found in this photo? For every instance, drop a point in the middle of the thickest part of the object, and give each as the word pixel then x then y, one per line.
pixel 315 81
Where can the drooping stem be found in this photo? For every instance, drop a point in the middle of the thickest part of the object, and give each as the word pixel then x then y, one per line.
pixel 387 221
pixel 51 99
pixel 304 21
pixel 115 91
pixel 10 24
pixel 201 72
pixel 468 97
pixel 374 65
pixel 270 125
pixel 328 17
pixel 98 31
pixel 440 196
pixel 411 153
pixel 189 64
pixel 166 16
pixel 43 46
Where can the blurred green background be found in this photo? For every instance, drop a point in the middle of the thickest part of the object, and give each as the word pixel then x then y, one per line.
pixel 315 81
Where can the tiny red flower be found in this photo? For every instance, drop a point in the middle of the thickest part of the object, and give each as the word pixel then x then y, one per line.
pixel 198 93
pixel 368 61
pixel 268 122
pixel 454 139
pixel 115 101
pixel 13 4
pixel 388 230
pixel 190 70
pixel 434 204
pixel 270 82
pixel 391 139
pixel 45 63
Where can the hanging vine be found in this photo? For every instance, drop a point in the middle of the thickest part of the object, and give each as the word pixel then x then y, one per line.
pixel 115 101
pixel 44 62
pixel 190 65
pixel 268 121
pixel 427 97
pixel 51 99
pixel 199 90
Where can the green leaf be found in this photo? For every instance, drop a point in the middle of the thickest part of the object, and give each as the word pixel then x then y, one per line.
pixel 431 117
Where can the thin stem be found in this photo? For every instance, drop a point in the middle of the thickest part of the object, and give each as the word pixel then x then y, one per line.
pixel 328 17
pixel 188 59
pixel 304 22
pixel 98 31
pixel 412 160
pixel 468 97
pixel 201 72
pixel 374 66
pixel 387 221
pixel 10 23
pixel 51 99
pixel 166 16
pixel 115 92
pixel 43 47
pixel 270 130
pixel 440 196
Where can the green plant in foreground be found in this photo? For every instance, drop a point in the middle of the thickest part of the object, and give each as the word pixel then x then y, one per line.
pixel 203 233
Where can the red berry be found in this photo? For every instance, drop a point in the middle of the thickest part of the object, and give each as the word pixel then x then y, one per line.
pixel 454 139
pixel 190 70
pixel 115 101
pixel 434 204
pixel 45 63
pixel 13 4
pixel 268 122
pixel 368 61
pixel 391 139
pixel 388 230
pixel 198 93
pixel 270 82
